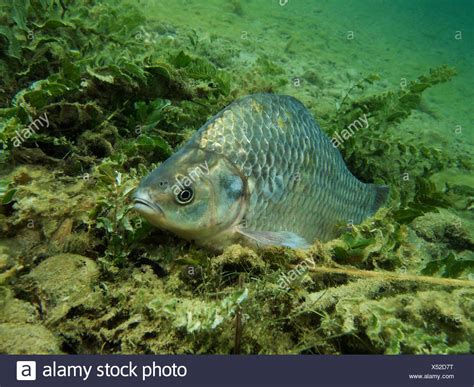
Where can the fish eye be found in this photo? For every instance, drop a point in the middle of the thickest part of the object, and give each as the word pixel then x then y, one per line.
pixel 185 196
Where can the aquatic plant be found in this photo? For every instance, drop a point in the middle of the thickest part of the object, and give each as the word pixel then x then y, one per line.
pixel 6 193
pixel 194 39
pixel 399 283
pixel 113 215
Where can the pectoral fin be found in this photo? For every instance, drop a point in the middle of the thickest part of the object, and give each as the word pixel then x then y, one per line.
pixel 274 238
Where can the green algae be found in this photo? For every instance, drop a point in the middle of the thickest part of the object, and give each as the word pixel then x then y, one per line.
pixel 117 111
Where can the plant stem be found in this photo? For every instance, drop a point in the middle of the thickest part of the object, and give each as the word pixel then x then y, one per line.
pixel 238 321
pixel 390 276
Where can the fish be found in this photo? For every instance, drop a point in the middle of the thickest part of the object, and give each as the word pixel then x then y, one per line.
pixel 261 172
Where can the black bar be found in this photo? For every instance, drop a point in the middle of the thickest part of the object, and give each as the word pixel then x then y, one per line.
pixel 311 370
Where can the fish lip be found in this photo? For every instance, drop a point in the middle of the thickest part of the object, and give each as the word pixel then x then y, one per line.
pixel 140 201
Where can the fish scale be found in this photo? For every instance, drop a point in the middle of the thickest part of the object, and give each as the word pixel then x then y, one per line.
pixel 278 131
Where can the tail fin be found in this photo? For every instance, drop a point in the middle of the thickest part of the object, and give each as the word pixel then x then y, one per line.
pixel 380 196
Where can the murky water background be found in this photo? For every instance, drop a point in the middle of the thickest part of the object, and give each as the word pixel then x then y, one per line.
pixel 396 39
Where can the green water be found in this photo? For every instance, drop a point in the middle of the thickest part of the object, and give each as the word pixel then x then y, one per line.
pixel 396 39
pixel 122 85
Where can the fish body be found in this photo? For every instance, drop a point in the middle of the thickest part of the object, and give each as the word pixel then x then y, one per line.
pixel 261 171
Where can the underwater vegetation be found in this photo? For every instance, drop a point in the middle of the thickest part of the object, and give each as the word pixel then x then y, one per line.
pixel 92 98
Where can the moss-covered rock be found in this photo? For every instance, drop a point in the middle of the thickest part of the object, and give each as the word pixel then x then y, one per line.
pixel 62 282
pixel 21 330
pixel 23 339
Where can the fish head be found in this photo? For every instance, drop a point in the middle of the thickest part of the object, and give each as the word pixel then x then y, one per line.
pixel 195 194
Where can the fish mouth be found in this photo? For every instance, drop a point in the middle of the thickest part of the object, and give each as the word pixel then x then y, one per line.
pixel 146 206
